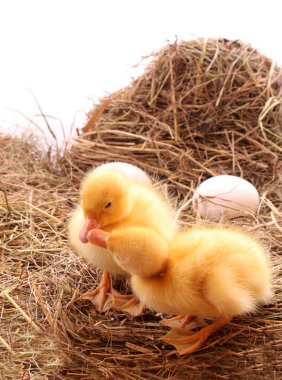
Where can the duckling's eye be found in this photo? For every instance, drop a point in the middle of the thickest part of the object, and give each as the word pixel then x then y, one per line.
pixel 108 205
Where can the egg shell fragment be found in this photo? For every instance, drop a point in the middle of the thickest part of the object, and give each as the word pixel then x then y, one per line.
pixel 225 196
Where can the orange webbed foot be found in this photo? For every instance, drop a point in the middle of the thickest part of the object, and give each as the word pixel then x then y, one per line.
pixel 127 303
pixel 186 341
pixel 181 321
pixel 99 295
pixel 105 297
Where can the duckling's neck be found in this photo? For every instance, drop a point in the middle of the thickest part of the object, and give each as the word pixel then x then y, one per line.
pixel 161 272
pixel 157 273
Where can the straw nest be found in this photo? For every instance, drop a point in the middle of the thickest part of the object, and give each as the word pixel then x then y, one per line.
pixel 201 108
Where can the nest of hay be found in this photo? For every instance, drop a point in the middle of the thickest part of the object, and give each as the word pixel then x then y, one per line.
pixel 163 123
pixel 201 108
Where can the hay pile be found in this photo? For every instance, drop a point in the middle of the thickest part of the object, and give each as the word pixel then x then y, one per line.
pixel 201 108
pixel 46 331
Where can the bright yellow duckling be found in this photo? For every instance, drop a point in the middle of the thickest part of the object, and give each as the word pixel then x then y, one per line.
pixel 111 200
pixel 203 272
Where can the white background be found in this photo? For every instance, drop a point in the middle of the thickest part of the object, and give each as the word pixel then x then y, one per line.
pixel 65 53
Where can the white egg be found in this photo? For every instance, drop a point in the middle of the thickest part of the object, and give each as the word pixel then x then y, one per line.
pixel 130 170
pixel 225 196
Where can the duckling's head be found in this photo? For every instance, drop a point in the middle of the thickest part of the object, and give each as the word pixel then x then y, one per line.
pixel 106 199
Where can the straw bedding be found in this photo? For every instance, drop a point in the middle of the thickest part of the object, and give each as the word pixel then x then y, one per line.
pixel 201 108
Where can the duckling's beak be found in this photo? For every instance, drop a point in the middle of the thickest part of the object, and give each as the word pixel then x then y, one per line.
pixel 89 225
pixel 98 237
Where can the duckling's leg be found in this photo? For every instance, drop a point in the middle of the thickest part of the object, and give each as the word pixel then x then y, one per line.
pixel 99 295
pixel 187 342
pixel 128 303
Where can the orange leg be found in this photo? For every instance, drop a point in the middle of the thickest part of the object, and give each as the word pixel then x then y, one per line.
pixel 189 342
pixel 99 295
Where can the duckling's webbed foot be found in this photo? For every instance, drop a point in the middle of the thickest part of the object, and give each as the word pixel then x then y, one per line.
pixel 180 321
pixel 128 303
pixel 104 297
pixel 99 296
pixel 187 341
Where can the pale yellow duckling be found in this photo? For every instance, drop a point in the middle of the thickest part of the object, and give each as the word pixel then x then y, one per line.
pixel 111 200
pixel 203 272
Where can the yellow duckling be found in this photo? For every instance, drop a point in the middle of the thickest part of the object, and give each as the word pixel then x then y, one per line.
pixel 111 200
pixel 203 272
